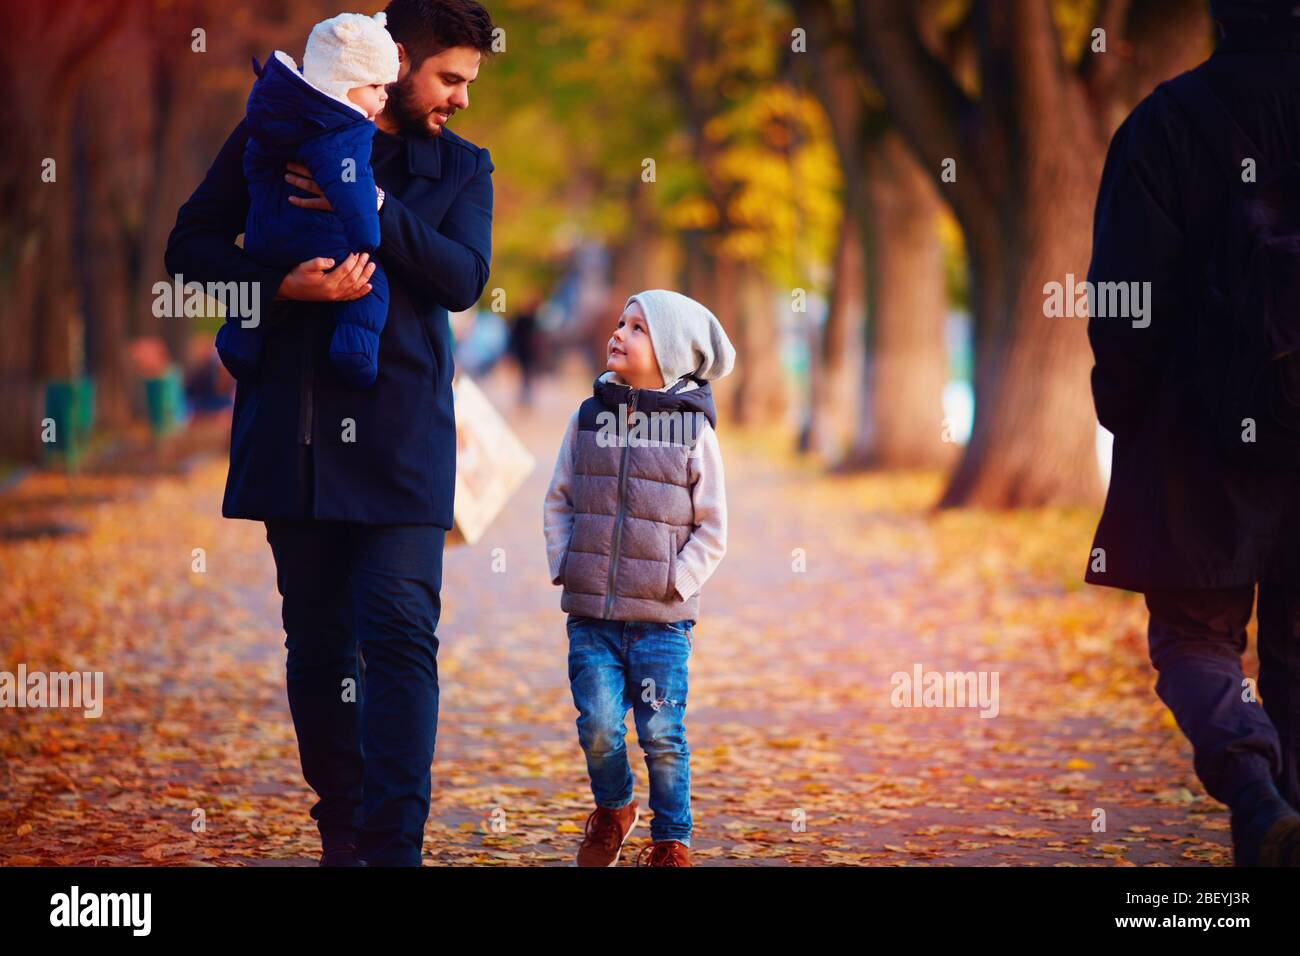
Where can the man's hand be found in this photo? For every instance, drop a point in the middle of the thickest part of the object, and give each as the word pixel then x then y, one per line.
pixel 317 281
pixel 300 176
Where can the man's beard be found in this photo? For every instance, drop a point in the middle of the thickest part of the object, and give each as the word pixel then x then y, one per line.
pixel 411 120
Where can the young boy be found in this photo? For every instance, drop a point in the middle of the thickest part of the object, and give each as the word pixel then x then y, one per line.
pixel 324 118
pixel 635 522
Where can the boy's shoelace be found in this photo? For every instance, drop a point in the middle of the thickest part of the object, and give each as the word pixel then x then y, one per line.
pixel 602 829
pixel 657 854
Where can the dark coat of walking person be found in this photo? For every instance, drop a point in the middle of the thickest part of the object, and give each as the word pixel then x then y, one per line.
pixel 525 346
pixel 1198 198
pixel 355 485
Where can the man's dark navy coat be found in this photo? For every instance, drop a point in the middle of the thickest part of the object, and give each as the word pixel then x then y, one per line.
pixel 1177 516
pixel 288 453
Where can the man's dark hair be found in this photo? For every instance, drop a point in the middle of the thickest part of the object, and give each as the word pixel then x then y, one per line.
pixel 427 27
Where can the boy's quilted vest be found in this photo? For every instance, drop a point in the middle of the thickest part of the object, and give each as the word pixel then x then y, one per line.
pixel 632 502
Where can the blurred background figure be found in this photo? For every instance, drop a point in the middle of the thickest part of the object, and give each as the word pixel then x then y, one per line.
pixel 525 347
pixel 209 388
pixel 481 338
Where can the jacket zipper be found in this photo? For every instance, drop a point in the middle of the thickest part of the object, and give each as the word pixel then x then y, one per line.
pixel 305 399
pixel 618 519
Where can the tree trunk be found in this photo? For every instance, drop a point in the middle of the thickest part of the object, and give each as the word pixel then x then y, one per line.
pixel 1027 162
pixel 168 169
pixel 907 307
pixel 45 50
pixel 836 371
pixel 101 265
pixel 760 396
pixel 892 407
pixel 715 282
pixel 1034 436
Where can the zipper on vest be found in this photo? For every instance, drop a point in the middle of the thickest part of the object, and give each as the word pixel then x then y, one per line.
pixel 618 518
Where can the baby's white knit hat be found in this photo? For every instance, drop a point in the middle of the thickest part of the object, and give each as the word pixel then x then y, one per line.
pixel 347 51
pixel 687 337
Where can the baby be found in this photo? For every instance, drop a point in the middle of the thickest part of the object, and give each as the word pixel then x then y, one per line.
pixel 323 118
pixel 635 522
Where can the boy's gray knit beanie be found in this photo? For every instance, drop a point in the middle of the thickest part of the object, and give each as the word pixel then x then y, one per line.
pixel 688 339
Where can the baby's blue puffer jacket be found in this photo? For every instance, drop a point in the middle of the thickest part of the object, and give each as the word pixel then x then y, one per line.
pixel 289 119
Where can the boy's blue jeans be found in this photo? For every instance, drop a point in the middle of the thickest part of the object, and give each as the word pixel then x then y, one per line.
pixel 614 665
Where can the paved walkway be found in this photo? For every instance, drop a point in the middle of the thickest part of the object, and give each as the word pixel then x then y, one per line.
pixel 832 585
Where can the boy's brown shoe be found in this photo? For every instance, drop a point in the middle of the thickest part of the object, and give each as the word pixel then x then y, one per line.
pixel 665 853
pixel 606 832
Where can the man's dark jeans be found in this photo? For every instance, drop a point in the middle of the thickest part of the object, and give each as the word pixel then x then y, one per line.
pixel 373 588
pixel 1196 639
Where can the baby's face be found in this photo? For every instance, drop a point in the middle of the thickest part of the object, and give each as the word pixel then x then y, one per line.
pixel 370 98
pixel 631 353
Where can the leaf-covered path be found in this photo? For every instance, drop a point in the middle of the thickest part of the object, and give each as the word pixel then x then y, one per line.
pixel 831 585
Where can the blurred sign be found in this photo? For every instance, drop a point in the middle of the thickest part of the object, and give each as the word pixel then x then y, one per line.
pixel 491 463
